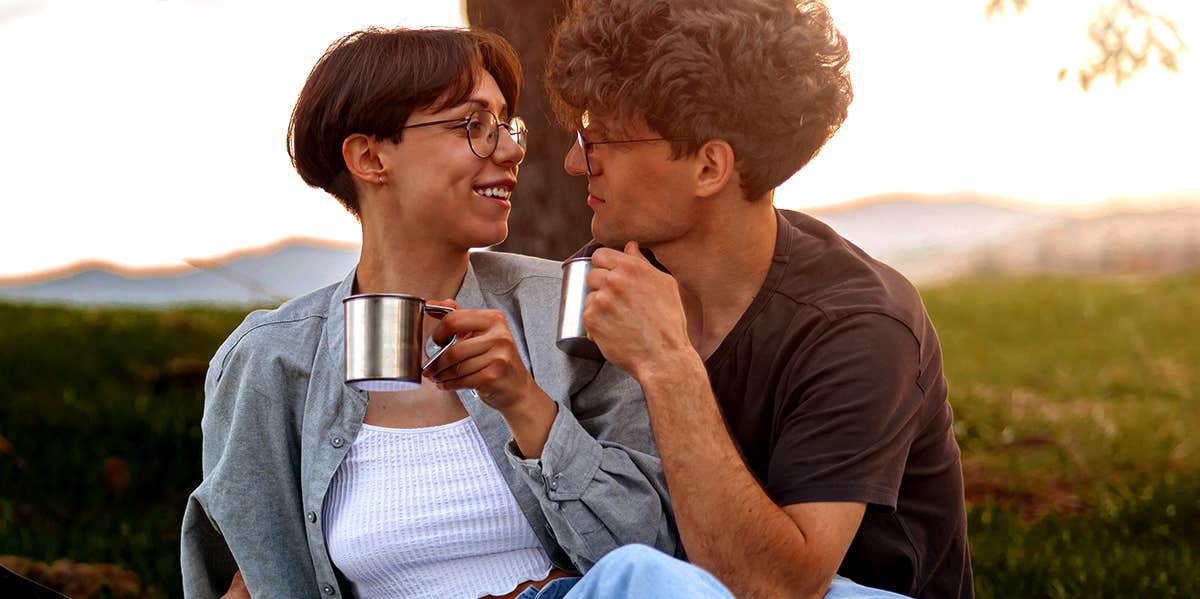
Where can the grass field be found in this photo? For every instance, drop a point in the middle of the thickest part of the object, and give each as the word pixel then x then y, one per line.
pixel 1076 405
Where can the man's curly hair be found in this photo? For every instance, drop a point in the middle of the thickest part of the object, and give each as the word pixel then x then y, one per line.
pixel 767 76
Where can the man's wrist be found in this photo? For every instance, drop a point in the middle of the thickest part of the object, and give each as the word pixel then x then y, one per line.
pixel 669 370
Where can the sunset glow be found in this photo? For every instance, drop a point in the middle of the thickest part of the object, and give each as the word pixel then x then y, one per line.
pixel 147 133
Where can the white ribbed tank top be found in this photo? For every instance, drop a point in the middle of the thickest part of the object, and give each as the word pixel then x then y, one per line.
pixel 425 513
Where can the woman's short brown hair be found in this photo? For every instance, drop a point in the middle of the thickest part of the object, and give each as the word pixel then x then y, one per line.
pixel 767 76
pixel 370 81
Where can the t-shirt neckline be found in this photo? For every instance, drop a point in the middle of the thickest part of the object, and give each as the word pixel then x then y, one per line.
pixel 779 262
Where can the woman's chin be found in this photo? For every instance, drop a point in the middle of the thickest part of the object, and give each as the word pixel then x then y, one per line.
pixel 489 236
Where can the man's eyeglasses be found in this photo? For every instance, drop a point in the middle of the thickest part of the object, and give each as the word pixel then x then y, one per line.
pixel 586 145
pixel 483 131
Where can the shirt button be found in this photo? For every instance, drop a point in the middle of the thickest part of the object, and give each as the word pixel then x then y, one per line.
pixel 337 441
pixel 312 516
pixel 328 589
pixel 554 484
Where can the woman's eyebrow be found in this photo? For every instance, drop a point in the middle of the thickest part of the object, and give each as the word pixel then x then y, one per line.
pixel 503 108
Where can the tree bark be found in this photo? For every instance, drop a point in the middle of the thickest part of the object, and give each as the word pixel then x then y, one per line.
pixel 550 216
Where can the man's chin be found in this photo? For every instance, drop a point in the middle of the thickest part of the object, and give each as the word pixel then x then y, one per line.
pixel 610 241
pixel 607 237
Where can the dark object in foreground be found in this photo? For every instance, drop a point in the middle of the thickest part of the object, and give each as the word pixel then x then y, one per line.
pixel 15 585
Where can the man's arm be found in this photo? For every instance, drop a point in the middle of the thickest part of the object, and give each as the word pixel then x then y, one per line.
pixel 727 523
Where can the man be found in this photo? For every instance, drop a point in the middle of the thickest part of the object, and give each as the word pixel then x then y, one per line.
pixel 794 383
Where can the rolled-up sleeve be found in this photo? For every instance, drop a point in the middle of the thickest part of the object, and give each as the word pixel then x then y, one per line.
pixel 599 480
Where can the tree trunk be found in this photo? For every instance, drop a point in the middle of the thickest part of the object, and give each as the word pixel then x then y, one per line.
pixel 550 216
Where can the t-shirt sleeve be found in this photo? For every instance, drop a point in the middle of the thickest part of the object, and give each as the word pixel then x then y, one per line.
pixel 849 415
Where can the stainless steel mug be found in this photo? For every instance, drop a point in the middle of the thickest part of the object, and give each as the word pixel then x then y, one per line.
pixel 572 338
pixel 383 341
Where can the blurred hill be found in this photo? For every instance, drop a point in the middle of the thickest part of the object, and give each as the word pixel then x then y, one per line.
pixel 927 238
pixel 260 276
pixel 968 234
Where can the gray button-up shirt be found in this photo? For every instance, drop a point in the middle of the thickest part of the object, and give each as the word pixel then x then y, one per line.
pixel 279 419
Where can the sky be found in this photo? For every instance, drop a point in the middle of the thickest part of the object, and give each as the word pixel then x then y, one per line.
pixel 147 133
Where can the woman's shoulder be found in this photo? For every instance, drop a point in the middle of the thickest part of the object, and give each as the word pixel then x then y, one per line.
pixel 284 334
pixel 502 272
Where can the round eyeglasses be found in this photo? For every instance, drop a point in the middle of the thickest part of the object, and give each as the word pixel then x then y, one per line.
pixel 483 131
pixel 586 145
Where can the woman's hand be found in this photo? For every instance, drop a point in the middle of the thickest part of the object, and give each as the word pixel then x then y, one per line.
pixel 237 588
pixel 485 358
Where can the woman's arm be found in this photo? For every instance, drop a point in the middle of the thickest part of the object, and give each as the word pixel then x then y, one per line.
pixel 589 458
pixel 205 558
pixel 599 478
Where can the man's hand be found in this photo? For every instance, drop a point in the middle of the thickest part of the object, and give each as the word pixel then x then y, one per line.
pixel 633 312
pixel 237 588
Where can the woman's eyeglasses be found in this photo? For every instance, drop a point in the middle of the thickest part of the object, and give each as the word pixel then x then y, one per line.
pixel 483 131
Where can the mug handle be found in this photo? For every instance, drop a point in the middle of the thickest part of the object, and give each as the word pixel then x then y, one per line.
pixel 439 311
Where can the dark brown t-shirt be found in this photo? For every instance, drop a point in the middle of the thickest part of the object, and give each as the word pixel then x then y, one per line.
pixel 831 384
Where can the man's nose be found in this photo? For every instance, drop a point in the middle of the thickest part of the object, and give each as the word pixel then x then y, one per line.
pixel 574 162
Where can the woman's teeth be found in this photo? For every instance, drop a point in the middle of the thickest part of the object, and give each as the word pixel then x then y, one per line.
pixel 494 192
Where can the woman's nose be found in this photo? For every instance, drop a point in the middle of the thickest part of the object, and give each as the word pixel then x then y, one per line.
pixel 508 152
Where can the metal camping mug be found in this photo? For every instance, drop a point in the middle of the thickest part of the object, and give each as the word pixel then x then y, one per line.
pixel 383 341
pixel 572 337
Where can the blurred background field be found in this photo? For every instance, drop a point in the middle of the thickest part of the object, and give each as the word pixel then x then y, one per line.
pixel 1075 399
pixel 1031 165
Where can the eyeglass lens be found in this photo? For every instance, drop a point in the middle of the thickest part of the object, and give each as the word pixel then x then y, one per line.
pixel 584 147
pixel 483 132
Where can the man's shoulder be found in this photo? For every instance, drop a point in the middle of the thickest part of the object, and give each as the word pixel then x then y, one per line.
pixel 838 279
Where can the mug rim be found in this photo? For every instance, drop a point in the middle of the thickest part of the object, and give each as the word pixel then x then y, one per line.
pixel 382 295
pixel 579 259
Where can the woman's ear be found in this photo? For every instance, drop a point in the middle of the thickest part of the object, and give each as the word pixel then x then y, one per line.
pixel 361 154
pixel 716 167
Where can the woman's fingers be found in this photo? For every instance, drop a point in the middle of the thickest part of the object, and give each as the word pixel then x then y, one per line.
pixel 473 373
pixel 448 364
pixel 467 323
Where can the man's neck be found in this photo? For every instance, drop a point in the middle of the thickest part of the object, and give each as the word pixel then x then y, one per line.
pixel 721 266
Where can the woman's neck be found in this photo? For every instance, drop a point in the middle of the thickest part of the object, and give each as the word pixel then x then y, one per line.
pixel 398 263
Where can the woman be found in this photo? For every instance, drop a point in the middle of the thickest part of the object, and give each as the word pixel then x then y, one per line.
pixel 482 481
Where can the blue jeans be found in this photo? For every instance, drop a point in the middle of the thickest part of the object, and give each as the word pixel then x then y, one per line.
pixel 637 571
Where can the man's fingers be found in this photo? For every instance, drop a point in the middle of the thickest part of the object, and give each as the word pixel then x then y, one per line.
pixel 596 280
pixel 610 259
pixel 606 258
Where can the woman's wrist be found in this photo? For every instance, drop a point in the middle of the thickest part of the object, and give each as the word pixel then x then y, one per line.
pixel 530 420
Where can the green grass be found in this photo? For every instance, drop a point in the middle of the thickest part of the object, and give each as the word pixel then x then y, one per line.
pixel 79 387
pixel 1075 400
pixel 1076 405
